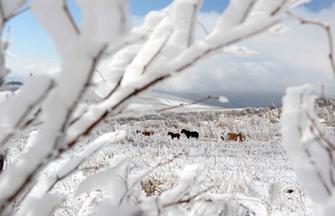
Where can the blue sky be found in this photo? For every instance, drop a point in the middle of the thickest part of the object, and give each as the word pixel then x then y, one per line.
pixel 30 41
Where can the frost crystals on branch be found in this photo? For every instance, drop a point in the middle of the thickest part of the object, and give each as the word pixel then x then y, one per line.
pixel 312 159
pixel 162 47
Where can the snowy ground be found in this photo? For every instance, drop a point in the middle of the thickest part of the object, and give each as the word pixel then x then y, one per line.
pixel 244 171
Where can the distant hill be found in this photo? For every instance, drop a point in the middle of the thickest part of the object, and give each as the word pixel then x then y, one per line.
pixel 12 86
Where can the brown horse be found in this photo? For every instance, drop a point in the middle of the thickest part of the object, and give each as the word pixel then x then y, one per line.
pixel 236 137
pixel 145 133
pixel 148 133
pixel 242 137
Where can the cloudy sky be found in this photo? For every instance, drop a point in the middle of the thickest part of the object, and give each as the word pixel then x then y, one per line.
pixel 295 56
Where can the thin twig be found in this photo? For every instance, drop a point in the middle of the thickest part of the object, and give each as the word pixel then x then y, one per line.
pixel 318 173
pixel 202 26
pixel 69 172
pixel 327 28
pixel 191 30
pixel 70 17
pixel 23 10
pixel 21 120
pixel 328 147
pixel 279 8
pixel 248 11
pixel 315 126
pixel 2 14
pixel 189 199
pixel 156 54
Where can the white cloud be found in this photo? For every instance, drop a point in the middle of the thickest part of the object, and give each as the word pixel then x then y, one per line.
pixel 289 54
pixel 23 67
pixel 295 56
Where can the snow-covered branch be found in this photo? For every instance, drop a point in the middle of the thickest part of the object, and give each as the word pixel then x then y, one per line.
pixel 313 161
pixel 138 60
pixel 81 54
pixel 8 10
pixel 328 30
pixel 16 110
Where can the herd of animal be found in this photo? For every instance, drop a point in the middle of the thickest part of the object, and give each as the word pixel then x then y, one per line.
pixel 194 134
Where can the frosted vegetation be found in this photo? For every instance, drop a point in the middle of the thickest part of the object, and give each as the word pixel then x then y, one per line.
pixel 70 154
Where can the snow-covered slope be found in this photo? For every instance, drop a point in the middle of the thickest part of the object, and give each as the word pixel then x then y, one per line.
pixel 155 101
pixel 244 171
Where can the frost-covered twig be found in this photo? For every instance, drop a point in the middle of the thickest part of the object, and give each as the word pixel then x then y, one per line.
pixel 70 17
pixel 327 28
pixel 328 147
pixel 28 100
pixel 83 57
pixel 313 161
pixel 11 10
pixel 129 189
pixel 156 53
pixel 188 199
pixel 72 165
pixel 8 10
pixel 319 134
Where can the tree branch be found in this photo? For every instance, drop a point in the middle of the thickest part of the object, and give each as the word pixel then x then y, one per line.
pixel 70 17
pixel 327 29
pixel 21 120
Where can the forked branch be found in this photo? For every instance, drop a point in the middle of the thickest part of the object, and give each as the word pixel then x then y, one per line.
pixel 328 30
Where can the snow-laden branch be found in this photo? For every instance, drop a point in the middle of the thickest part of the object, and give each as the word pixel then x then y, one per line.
pixel 10 9
pixel 81 55
pixel 41 206
pixel 15 111
pixel 312 161
pixel 169 38
pixel 47 183
pixel 73 164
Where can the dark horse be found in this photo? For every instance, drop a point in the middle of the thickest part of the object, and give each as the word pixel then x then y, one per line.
pixel 189 134
pixel 174 135
pixel 2 161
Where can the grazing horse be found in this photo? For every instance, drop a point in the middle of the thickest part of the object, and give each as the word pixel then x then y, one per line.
pixel 145 133
pixel 289 191
pixel 189 134
pixel 232 136
pixel 235 137
pixel 148 133
pixel 2 161
pixel 174 135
